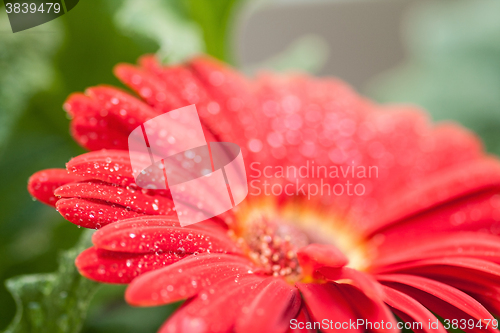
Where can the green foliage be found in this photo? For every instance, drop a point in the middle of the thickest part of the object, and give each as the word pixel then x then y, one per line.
pixel 85 48
pixel 215 17
pixel 181 29
pixel 25 68
pixel 37 73
pixel 55 303
pixel 454 65
pixel 164 23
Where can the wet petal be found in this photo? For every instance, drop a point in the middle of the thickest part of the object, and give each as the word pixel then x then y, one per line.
pixel 270 307
pixel 143 238
pixel 214 310
pixel 456 182
pixel 185 278
pixel 138 200
pixel 460 244
pixel 98 165
pixel 117 267
pixel 92 214
pixel 325 301
pixel 104 116
pixel 148 87
pixel 42 184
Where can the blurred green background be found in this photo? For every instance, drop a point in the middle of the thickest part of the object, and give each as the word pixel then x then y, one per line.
pixel 445 56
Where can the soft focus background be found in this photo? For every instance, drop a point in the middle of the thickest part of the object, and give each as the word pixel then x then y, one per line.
pixel 442 55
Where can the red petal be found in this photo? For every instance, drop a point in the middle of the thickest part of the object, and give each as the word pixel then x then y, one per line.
pixel 143 238
pixel 457 181
pixel 216 107
pixel 138 200
pixel 326 301
pixel 411 311
pixel 314 256
pixel 105 116
pixel 42 184
pixel 214 310
pixel 160 220
pixel 370 310
pixel 484 292
pixel 92 214
pixel 476 277
pixel 481 268
pixel 98 165
pixel 185 278
pixel 362 281
pixel 178 79
pixel 460 244
pixel 302 323
pixel 270 307
pixel 148 87
pixel 446 301
pixel 116 267
pixel 471 213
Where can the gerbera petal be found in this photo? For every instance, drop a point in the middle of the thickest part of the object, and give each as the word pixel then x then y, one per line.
pixel 104 116
pixel 301 323
pixel 141 237
pixel 137 200
pixel 92 214
pixel 185 278
pixel 474 276
pixel 457 181
pixel 326 301
pixel 98 165
pixel 214 310
pixel 481 268
pixel 481 289
pixel 446 301
pixel 461 244
pixel 270 307
pixel 315 256
pixel 117 267
pixel 42 184
pixel 114 167
pixel 180 80
pixel 189 84
pixel 160 220
pixel 360 280
pixel 471 213
pixel 148 87
pixel 370 310
pixel 410 310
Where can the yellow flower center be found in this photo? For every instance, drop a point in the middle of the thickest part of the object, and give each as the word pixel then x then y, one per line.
pixel 271 235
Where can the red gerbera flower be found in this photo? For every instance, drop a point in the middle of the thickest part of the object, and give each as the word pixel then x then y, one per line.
pixel 417 238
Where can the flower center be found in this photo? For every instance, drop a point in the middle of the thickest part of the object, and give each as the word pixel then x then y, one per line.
pixel 271 236
pixel 273 246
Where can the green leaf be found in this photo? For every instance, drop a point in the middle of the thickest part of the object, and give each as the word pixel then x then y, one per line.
pixel 216 18
pixel 25 67
pixel 163 22
pixel 181 29
pixel 56 302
